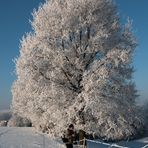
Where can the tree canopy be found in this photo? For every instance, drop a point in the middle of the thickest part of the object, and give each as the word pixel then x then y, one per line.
pixel 76 67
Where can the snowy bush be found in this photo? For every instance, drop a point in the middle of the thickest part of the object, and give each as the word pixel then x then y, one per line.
pixel 3 123
pixel 17 121
pixel 76 67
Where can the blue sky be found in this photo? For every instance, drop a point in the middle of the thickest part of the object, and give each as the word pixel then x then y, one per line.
pixel 138 12
pixel 15 15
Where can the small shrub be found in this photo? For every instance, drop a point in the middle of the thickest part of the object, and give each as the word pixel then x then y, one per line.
pixel 3 123
pixel 17 121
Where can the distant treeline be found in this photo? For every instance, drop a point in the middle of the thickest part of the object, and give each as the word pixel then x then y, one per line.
pixel 5 115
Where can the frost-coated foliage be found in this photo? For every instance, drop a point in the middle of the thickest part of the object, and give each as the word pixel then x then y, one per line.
pixel 3 123
pixel 75 67
pixel 17 121
pixel 144 111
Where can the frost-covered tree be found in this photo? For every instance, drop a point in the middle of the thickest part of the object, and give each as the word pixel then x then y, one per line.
pixel 76 67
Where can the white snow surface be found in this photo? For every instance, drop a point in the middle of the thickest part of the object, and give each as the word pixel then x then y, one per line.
pixel 140 143
pixel 26 137
pixel 15 137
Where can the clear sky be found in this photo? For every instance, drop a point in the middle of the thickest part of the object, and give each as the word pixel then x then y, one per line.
pixel 14 23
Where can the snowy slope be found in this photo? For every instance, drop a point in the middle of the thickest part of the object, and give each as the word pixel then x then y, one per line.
pixel 14 137
pixel 141 143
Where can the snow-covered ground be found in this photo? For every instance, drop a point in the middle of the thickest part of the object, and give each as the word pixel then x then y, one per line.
pixel 141 143
pixel 15 137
